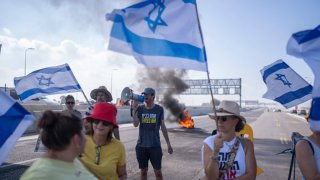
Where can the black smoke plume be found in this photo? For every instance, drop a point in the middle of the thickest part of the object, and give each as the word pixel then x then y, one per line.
pixel 167 84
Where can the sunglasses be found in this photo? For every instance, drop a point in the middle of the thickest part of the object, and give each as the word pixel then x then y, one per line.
pixel 97 158
pixel 105 123
pixel 70 102
pixel 225 118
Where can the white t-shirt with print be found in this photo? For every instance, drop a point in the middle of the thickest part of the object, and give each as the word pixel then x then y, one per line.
pixel 239 165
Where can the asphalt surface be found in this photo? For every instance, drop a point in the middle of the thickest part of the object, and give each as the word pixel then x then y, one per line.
pixel 272 134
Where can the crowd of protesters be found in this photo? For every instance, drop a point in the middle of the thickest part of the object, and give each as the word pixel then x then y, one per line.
pixel 91 149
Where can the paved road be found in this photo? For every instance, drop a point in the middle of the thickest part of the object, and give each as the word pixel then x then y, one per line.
pixel 272 132
pixel 272 135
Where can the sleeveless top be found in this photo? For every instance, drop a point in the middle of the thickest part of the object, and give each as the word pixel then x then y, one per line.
pixel 239 165
pixel 316 153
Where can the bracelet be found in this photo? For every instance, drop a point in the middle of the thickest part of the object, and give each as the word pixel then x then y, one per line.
pixel 214 158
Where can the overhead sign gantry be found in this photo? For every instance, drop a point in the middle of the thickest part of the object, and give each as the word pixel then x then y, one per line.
pixel 219 87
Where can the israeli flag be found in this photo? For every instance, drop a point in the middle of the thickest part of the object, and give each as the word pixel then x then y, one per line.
pixel 14 120
pixel 285 85
pixel 47 81
pixel 306 45
pixel 160 33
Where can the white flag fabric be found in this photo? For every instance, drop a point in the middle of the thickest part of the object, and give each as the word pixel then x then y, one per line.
pixel 285 85
pixel 47 81
pixel 306 45
pixel 14 120
pixel 158 33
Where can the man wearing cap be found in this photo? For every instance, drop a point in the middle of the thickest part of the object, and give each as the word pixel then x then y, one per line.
pixel 101 94
pixel 150 117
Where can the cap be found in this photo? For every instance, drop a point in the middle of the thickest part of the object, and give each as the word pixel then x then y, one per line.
pixel 149 91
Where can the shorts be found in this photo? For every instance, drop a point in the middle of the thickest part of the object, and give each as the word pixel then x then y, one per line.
pixel 144 154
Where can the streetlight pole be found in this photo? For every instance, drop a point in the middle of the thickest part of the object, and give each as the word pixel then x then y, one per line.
pixel 25 59
pixel 111 78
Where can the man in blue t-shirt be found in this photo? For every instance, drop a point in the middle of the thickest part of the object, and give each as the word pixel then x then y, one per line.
pixel 150 116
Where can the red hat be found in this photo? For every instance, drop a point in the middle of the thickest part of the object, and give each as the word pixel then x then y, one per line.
pixel 105 112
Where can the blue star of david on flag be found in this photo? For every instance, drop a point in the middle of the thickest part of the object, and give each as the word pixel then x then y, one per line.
pixel 159 33
pixel 158 9
pixel 44 81
pixel 285 85
pixel 283 79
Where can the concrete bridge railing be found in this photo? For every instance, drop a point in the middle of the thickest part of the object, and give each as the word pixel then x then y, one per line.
pixel 123 115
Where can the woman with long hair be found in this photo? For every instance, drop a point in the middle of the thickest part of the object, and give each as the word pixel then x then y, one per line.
pixel 224 155
pixel 104 155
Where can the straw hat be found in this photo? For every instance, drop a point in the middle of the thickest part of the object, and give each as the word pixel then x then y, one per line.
pixel 105 112
pixel 228 108
pixel 103 89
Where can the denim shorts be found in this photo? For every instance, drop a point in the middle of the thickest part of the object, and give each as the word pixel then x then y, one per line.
pixel 144 154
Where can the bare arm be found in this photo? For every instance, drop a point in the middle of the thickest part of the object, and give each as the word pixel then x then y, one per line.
pixel 306 160
pixel 135 119
pixel 251 163
pixel 211 166
pixel 135 113
pixel 122 172
pixel 166 137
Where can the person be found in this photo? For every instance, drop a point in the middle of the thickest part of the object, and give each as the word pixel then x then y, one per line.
pixel 224 155
pixel 63 136
pixel 150 117
pixel 101 94
pixel 104 154
pixel 308 156
pixel 70 103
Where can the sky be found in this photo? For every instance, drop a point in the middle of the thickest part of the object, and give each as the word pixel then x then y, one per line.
pixel 241 37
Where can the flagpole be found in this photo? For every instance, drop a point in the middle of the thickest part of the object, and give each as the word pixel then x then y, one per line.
pixel 85 97
pixel 205 56
pixel 79 86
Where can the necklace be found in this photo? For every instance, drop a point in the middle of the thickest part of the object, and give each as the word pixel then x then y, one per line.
pixel 229 144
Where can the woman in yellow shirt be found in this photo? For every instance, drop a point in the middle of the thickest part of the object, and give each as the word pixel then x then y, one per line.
pixel 103 154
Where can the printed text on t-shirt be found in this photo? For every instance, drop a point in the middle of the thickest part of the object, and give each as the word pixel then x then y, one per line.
pixel 149 118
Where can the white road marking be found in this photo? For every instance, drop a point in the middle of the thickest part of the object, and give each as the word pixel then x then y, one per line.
pixel 25 138
pixel 284 139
